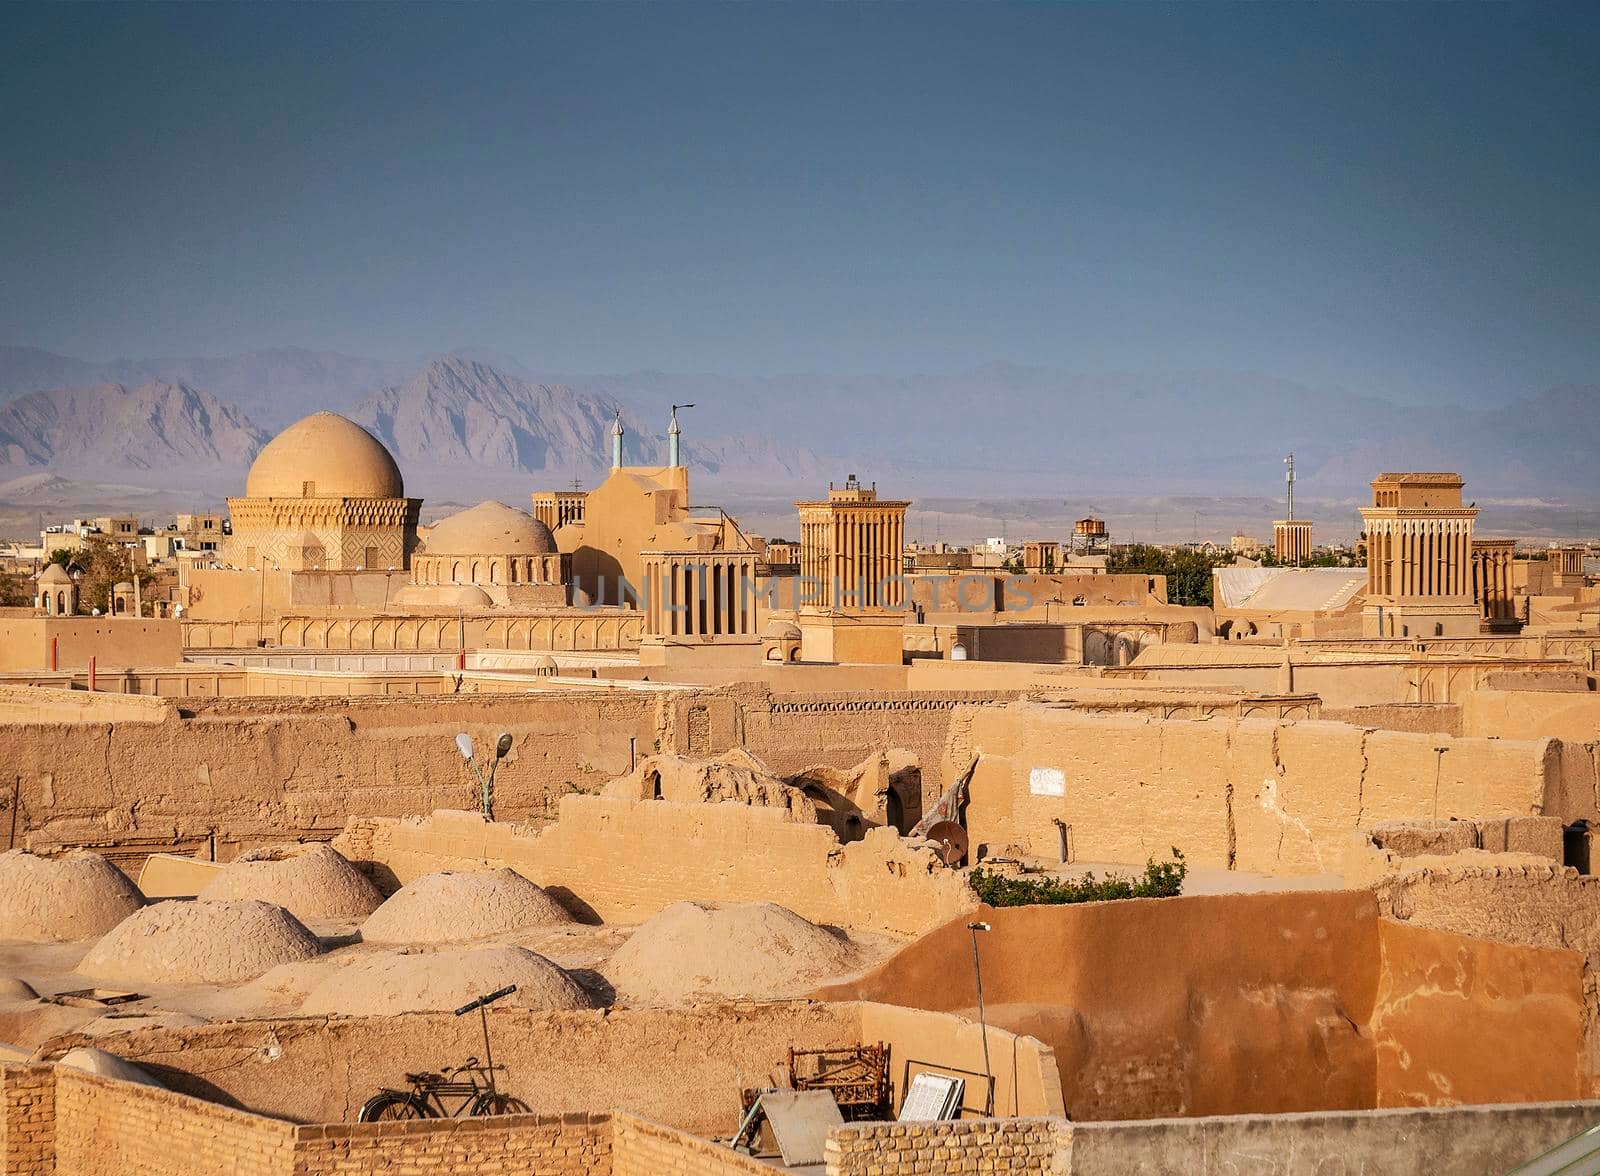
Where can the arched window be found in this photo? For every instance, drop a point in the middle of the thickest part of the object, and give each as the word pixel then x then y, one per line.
pixel 455 572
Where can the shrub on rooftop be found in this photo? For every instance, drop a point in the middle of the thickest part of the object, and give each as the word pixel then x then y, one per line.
pixel 1160 880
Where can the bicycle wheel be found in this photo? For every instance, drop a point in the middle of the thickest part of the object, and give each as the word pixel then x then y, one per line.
pixel 499 1104
pixel 391 1104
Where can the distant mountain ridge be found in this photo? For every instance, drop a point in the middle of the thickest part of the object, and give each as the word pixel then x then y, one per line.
pixel 1000 429
pixel 156 427
pixel 460 414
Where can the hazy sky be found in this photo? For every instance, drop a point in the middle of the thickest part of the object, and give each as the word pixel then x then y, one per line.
pixel 1400 199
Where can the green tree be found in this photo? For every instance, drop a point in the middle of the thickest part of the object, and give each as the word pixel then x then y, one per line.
pixel 14 590
pixel 104 565
pixel 1188 572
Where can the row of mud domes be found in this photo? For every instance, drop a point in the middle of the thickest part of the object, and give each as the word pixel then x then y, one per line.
pixel 248 925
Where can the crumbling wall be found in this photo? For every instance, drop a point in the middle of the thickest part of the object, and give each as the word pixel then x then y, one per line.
pixel 962 1148
pixel 1396 847
pixel 794 731
pixel 1250 794
pixel 624 860
pixel 270 771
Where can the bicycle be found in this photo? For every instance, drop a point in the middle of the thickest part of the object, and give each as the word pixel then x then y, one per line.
pixel 430 1089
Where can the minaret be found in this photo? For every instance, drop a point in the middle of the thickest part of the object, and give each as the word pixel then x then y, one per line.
pixel 616 441
pixel 674 433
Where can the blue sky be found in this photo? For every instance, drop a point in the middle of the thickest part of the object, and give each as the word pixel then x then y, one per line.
pixel 1402 200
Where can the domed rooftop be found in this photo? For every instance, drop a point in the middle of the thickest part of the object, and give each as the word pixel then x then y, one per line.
pixel 778 629
pixel 490 528
pixel 324 456
pixel 54 574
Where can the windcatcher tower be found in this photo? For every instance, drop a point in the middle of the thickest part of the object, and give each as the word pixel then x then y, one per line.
pixel 1419 558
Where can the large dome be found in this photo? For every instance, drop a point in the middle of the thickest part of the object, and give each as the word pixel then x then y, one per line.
pixel 490 528
pixel 324 456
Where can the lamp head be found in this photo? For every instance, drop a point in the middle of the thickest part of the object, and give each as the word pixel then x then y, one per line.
pixel 464 745
pixel 502 745
pixel 979 927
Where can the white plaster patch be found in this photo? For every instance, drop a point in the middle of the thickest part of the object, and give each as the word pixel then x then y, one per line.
pixel 1047 782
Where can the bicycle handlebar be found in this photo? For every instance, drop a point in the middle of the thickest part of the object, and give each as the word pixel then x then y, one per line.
pixel 487 999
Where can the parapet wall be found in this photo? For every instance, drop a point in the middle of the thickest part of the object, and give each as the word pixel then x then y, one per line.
pixel 1251 794
pixel 682 1067
pixel 1542 906
pixel 250 770
pixel 624 860
pixel 260 771
pixel 1261 1003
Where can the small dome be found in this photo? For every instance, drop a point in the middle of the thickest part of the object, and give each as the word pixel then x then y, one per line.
pixel 490 528
pixel 778 629
pixel 461 596
pixel 54 574
pixel 123 586
pixel 324 456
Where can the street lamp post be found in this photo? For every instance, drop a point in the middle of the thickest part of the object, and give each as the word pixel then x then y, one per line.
pixel 502 747
pixel 983 1028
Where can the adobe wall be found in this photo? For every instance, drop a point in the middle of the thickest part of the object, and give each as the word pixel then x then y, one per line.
pixel 791 732
pixel 624 860
pixel 33 704
pixel 682 1067
pixel 1460 1020
pixel 1427 718
pixel 248 772
pixel 1339 683
pixel 1251 794
pixel 1530 714
pixel 1168 1006
pixel 1026 1080
pixel 113 642
pixel 1442 1141
pixel 1543 906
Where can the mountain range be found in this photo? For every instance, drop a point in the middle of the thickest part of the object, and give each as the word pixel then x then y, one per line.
pixel 475 420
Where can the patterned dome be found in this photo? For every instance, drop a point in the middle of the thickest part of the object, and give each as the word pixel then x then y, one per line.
pixel 324 456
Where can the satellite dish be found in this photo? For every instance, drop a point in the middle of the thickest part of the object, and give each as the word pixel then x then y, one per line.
pixel 502 745
pixel 464 745
pixel 950 842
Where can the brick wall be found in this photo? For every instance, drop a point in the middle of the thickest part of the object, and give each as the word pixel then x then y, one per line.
pixel 529 1145
pixel 967 1146
pixel 111 1128
pixel 642 1148
pixel 27 1120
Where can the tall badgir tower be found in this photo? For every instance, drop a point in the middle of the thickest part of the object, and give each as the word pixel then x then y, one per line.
pixel 1419 558
pixel 326 495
